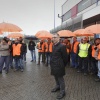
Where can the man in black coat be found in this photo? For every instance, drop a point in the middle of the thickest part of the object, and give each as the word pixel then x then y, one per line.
pixel 31 47
pixel 58 62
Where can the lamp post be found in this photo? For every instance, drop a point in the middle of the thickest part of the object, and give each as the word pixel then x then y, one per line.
pixel 61 17
pixel 54 14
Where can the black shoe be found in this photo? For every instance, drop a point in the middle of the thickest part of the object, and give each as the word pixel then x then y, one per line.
pixel 97 80
pixel 46 65
pixel 0 72
pixel 85 74
pixel 4 68
pixel 31 60
pixel 16 70
pixel 72 67
pixel 79 71
pixel 22 70
pixel 7 72
pixel 55 89
pixel 38 63
pixel 11 67
pixel 61 95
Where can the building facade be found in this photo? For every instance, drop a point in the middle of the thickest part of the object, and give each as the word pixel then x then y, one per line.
pixel 78 14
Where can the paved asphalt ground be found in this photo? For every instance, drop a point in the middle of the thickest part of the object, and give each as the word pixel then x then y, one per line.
pixel 35 83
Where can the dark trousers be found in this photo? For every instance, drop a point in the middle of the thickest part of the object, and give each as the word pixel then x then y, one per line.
pixel 48 56
pixel 83 64
pixel 89 64
pixel 60 83
pixel 43 57
pixel 11 60
pixel 4 59
pixel 94 64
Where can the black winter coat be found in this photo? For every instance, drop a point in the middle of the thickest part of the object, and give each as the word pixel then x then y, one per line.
pixel 24 48
pixel 31 45
pixel 58 60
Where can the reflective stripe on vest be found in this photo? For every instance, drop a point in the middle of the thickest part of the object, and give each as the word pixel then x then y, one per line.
pixel 16 49
pixel 83 49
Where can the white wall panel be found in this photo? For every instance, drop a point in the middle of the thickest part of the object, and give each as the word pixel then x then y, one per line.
pixel 92 12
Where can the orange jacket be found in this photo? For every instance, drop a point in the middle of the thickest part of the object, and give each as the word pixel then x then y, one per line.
pixel 16 49
pixel 50 47
pixel 75 47
pixel 41 48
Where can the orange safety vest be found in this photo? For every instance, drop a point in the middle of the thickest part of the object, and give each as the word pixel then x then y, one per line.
pixel 42 48
pixel 16 49
pixel 99 52
pixel 75 47
pixel 99 55
pixel 50 47
pixel 93 51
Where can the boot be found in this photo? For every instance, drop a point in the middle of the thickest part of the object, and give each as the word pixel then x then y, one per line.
pixel 61 95
pixel 38 63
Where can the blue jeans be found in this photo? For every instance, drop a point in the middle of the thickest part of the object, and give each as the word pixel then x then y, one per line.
pixel 99 68
pixel 24 56
pixel 74 59
pixel 33 55
pixel 20 63
pixel 4 59
pixel 16 63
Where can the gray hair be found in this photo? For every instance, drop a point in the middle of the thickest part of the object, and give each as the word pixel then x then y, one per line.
pixel 56 34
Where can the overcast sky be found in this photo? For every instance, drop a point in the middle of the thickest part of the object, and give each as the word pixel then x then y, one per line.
pixel 31 15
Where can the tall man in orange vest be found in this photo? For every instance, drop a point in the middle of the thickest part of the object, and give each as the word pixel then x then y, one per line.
pixel 41 51
pixel 48 50
pixel 74 56
pixel 17 54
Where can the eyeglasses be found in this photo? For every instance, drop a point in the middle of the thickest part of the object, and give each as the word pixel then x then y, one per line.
pixel 54 37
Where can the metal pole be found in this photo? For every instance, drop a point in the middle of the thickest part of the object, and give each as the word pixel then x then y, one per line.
pixel 82 22
pixel 54 14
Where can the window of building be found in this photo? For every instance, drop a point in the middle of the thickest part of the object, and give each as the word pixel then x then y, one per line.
pixel 93 1
pixel 66 16
pixel 83 5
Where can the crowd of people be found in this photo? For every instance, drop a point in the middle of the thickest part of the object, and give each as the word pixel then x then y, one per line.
pixel 83 56
pixel 12 51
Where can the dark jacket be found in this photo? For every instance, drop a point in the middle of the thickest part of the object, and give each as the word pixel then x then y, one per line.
pixel 24 48
pixel 31 45
pixel 58 60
